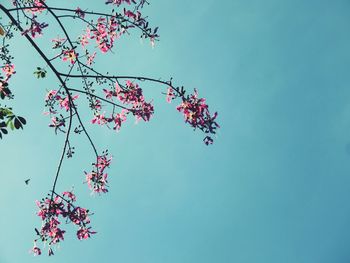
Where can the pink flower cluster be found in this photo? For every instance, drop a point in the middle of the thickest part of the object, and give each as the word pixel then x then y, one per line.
pixel 196 113
pixel 134 15
pixel 35 29
pixel 116 118
pixel 58 42
pixel 9 70
pixel 131 95
pixel 55 98
pixel 57 123
pixel 119 2
pixel 38 6
pixel 105 33
pixel 65 103
pixel 97 178
pixel 51 211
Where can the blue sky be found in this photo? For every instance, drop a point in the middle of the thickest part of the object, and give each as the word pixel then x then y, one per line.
pixel 273 188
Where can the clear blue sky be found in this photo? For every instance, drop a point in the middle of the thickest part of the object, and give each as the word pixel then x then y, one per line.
pixel 275 186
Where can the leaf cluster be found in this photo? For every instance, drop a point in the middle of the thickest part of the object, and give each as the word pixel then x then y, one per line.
pixel 8 120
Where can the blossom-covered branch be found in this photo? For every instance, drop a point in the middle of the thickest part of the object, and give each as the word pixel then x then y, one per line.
pixel 112 99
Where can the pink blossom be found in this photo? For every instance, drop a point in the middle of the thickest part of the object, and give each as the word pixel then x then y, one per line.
pixel 56 234
pixel 9 70
pixel 97 182
pixel 133 93
pixel 35 28
pixel 103 162
pixel 84 233
pixel 36 250
pixel 99 119
pixel 105 33
pixel 130 14
pixel 69 55
pixel 79 216
pixel 96 105
pixel 70 195
pixel 143 110
pixel 170 95
pixel 56 122
pixel 108 93
pixel 58 42
pixel 64 103
pixel 38 6
pixel 51 211
pixel 50 95
pixel 196 113
pixel 91 58
pixel 84 40
pixel 119 118
pixel 119 2
pixel 48 208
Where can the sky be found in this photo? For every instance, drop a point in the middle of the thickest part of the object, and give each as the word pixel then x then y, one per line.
pixel 273 188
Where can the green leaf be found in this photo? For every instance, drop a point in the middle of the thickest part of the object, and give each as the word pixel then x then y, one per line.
pixel 12 127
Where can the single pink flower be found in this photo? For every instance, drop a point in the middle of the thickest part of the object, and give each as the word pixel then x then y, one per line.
pixel 9 69
pixel 170 95
pixel 119 118
pixel 64 103
pixel 99 119
pixel 70 55
pixel 50 95
pixel 91 58
pixel 70 195
pixel 84 233
pixel 36 250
